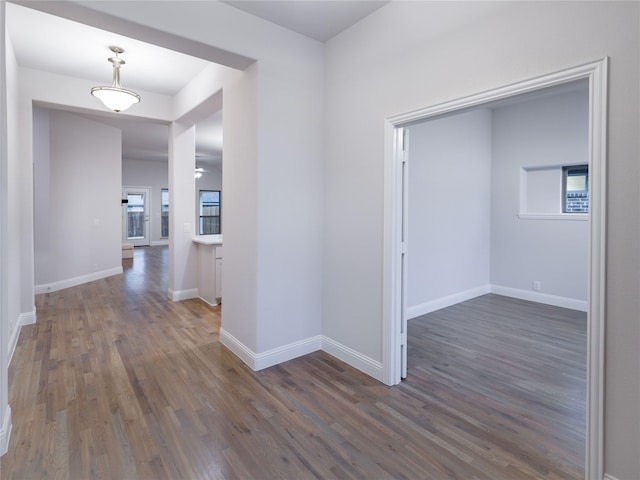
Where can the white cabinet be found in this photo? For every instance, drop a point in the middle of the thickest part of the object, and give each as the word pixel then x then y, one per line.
pixel 209 268
pixel 218 272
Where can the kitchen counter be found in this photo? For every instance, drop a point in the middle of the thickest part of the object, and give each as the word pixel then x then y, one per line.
pixel 208 239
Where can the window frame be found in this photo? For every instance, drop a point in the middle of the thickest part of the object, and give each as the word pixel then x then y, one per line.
pixel 201 217
pixel 567 171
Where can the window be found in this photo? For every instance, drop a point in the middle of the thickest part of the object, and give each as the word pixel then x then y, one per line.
pixel 164 213
pixel 209 212
pixel 575 189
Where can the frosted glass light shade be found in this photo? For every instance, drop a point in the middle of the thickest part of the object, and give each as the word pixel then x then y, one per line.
pixel 115 98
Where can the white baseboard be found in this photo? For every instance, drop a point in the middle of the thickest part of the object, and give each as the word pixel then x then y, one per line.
pixel 243 352
pixel 556 301
pixel 259 361
pixel 159 243
pixel 208 302
pixel 609 477
pixel 433 305
pixel 75 281
pixel 5 431
pixel 23 319
pixel 178 295
pixel 287 352
pixel 545 298
pixel 357 360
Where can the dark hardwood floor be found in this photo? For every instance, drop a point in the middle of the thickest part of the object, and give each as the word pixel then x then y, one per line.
pixel 115 381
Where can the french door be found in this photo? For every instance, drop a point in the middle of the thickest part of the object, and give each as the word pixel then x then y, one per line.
pixel 135 216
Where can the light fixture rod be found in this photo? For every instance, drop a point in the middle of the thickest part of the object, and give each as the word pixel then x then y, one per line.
pixel 116 75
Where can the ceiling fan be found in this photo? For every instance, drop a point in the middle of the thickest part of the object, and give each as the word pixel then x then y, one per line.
pixel 200 171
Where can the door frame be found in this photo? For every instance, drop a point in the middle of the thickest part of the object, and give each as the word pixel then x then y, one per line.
pixel 147 209
pixel 393 313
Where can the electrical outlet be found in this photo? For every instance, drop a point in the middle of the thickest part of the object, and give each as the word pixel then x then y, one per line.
pixel 536 285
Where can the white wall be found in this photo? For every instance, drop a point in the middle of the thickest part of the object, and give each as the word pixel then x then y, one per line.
pixel 42 194
pixel 183 280
pixel 449 208
pixel 465 233
pixel 85 180
pixel 410 55
pixel 7 90
pixel 273 168
pixel 14 244
pixel 545 132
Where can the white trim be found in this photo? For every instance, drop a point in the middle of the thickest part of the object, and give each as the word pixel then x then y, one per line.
pixel 5 431
pixel 259 361
pixel 75 281
pixel 594 468
pixel 208 302
pixel 28 318
pixel 596 72
pixel 538 297
pixel 608 477
pixel 554 216
pixel 287 352
pixel 353 358
pixel 392 258
pixel 443 302
pixel 160 243
pixel 179 295
pixel 241 351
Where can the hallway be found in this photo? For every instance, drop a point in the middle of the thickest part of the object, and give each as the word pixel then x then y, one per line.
pixel 115 381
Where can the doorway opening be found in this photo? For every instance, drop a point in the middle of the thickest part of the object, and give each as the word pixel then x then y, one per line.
pixel 135 215
pixel 396 245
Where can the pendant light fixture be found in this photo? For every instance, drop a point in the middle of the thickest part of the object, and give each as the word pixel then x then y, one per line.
pixel 115 97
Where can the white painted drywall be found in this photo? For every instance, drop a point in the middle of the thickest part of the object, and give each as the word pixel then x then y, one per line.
pixel 13 221
pixel 464 191
pixel 85 182
pixel 239 210
pixel 541 189
pixel 410 55
pixel 183 270
pixel 290 193
pixel 273 236
pixel 42 195
pixel 449 206
pixel 546 132
pixel 7 89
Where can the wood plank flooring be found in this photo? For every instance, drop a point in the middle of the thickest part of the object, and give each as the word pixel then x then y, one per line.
pixel 115 381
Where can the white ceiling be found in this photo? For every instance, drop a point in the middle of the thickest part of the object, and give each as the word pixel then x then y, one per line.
pixel 318 19
pixel 56 48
